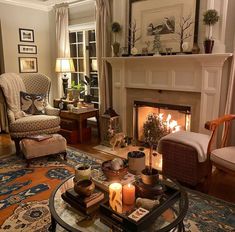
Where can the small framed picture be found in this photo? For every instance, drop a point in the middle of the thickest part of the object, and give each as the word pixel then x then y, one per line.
pixel 28 65
pixel 26 35
pixel 27 49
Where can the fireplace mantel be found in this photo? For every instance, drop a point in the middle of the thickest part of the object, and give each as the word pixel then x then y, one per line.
pixel 200 73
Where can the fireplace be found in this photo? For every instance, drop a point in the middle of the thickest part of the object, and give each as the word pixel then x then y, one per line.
pixel 176 117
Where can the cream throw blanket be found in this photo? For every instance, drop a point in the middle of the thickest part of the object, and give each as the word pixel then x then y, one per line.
pixel 195 140
pixel 12 84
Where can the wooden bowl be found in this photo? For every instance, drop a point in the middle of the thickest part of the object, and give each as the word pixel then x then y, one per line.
pixel 113 174
pixel 84 188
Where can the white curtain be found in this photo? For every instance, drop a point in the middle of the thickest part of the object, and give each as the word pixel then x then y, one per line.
pixel 103 22
pixel 62 38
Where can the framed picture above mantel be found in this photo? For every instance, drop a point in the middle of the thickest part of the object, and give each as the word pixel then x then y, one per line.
pixel 166 19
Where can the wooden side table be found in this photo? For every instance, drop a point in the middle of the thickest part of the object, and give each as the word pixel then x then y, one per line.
pixel 80 117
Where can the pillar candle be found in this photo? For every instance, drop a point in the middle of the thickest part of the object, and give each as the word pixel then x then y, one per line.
pixel 115 197
pixel 128 194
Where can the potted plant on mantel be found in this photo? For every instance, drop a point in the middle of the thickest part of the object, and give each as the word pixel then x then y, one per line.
pixel 153 130
pixel 210 18
pixel 116 28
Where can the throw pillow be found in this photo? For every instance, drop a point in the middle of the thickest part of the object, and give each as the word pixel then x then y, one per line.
pixel 33 103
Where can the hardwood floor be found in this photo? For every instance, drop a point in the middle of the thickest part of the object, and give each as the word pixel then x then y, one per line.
pixel 222 185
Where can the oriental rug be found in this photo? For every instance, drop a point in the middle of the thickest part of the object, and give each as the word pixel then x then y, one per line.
pixel 24 194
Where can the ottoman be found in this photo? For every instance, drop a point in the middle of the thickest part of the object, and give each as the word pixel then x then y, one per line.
pixel 32 148
pixel 184 157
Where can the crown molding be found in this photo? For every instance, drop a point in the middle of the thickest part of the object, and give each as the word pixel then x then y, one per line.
pixel 45 6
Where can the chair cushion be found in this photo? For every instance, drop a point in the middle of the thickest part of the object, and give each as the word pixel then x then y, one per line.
pixel 224 157
pixel 34 123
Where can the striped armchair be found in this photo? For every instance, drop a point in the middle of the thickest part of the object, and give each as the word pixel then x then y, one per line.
pixel 21 125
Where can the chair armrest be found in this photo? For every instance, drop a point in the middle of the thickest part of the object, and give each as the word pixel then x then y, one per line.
pixel 52 111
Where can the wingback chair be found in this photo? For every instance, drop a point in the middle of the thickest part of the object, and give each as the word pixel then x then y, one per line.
pixel 21 125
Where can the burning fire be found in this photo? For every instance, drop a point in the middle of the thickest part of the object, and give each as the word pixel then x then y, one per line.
pixel 172 125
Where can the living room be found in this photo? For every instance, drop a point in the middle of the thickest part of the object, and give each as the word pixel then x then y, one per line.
pixel 117 105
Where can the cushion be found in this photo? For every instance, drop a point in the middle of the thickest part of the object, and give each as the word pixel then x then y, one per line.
pixel 34 123
pixel 12 84
pixel 224 157
pixel 195 140
pixel 33 103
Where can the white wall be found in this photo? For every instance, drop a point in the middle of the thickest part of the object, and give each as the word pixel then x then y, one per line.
pixel 15 17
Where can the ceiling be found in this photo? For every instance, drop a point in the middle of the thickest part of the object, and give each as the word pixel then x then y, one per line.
pixel 42 4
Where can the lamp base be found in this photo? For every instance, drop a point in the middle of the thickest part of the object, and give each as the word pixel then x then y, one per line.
pixel 65 86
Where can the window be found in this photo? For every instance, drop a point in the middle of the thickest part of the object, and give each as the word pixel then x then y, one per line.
pixel 83 53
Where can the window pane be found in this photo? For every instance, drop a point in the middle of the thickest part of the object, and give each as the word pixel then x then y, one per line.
pixel 92 49
pixel 79 37
pixel 91 35
pixel 80 65
pixel 80 50
pixel 72 37
pixel 73 52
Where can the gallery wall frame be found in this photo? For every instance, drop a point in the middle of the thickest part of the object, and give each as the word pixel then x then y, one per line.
pixel 27 49
pixel 26 35
pixel 156 13
pixel 28 65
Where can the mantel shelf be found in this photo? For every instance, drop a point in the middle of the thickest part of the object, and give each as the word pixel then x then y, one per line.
pixel 208 58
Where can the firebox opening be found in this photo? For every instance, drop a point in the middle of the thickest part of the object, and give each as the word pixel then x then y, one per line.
pixel 176 117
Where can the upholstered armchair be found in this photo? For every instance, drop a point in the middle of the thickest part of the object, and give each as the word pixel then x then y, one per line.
pixel 19 124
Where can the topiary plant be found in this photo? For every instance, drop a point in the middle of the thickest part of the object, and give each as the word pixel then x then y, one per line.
pixel 116 28
pixel 210 18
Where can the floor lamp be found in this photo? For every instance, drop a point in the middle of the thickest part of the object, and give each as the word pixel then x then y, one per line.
pixel 64 65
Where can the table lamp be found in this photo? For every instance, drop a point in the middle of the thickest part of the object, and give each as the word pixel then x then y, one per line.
pixel 64 65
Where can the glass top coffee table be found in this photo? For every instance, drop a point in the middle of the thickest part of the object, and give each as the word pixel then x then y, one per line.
pixel 73 220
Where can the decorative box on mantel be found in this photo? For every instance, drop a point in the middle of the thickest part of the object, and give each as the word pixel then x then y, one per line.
pixel 173 79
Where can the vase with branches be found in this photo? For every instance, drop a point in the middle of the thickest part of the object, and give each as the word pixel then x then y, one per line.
pixel 210 18
pixel 154 129
pixel 184 32
pixel 133 38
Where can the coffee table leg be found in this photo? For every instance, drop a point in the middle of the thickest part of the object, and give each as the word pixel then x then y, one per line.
pixel 98 124
pixel 53 225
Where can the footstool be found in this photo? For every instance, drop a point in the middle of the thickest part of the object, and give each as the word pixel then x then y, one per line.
pixel 184 157
pixel 34 149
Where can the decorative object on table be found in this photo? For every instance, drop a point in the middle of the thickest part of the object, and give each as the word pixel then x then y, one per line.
pixel 116 28
pixel 161 203
pixel 153 129
pixel 165 17
pixel 73 93
pixel 109 126
pixel 115 197
pixel 128 194
pixel 84 188
pixel 184 32
pixel 125 51
pixel 134 38
pixel 28 65
pixel 82 172
pixel 146 203
pixel 136 162
pixel 26 35
pixel 87 90
pixel 64 65
pixel 114 170
pixel 27 49
pixel 210 18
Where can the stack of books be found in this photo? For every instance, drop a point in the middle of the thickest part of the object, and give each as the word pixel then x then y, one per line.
pixel 86 205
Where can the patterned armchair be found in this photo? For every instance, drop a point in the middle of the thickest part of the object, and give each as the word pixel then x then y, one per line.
pixel 21 125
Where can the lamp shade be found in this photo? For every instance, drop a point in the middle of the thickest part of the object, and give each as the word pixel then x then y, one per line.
pixel 64 65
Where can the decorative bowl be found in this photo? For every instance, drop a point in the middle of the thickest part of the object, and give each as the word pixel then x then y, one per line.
pixel 113 174
pixel 84 188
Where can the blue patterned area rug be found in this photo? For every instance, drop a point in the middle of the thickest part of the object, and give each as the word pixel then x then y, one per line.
pixel 205 213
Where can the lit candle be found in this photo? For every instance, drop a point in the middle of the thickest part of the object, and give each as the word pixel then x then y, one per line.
pixel 128 194
pixel 115 197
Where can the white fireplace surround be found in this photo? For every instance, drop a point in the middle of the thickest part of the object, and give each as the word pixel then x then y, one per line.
pixel 197 73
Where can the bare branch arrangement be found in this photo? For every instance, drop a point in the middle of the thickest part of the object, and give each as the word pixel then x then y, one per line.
pixel 184 25
pixel 133 31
